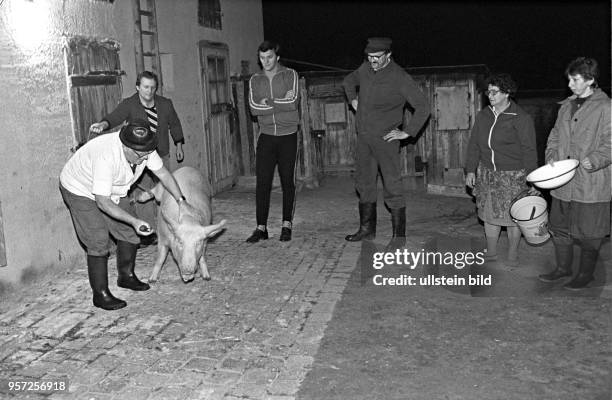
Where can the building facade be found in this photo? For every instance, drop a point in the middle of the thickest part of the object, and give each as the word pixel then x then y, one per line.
pixel 65 63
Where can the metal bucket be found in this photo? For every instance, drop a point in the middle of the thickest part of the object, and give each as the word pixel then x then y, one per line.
pixel 530 213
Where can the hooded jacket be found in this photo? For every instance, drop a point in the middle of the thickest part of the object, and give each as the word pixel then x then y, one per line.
pixel 503 142
pixel 279 115
pixel 586 134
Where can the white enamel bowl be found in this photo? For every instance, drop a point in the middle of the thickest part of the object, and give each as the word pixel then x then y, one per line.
pixel 552 177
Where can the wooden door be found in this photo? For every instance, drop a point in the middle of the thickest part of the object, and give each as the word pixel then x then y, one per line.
pixel 217 113
pixel 332 123
pixel 452 118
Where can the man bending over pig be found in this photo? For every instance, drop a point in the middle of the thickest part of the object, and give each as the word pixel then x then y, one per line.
pixel 94 184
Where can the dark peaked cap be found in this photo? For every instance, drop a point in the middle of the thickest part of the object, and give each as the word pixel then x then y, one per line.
pixel 138 136
pixel 377 44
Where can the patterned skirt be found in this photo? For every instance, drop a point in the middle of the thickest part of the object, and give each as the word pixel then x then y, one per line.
pixel 494 192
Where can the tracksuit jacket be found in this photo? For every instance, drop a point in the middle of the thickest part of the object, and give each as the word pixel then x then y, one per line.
pixel 586 134
pixel 280 116
pixel 503 142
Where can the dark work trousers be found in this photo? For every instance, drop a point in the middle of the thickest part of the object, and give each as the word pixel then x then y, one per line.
pixel 92 226
pixel 588 223
pixel 573 220
pixel 374 153
pixel 273 151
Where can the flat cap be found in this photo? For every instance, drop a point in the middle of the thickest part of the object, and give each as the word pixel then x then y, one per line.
pixel 376 44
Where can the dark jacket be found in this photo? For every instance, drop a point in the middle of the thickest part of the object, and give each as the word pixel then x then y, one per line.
pixel 586 134
pixel 382 97
pixel 131 109
pixel 503 142
pixel 280 116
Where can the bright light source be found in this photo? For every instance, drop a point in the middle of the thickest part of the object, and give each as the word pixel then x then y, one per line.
pixel 29 22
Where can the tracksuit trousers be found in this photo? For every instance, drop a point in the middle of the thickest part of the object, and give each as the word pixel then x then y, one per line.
pixel 275 151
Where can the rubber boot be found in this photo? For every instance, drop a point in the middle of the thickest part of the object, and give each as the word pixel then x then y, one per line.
pixel 564 254
pixel 588 261
pixel 367 223
pixel 97 269
pixel 398 222
pixel 126 262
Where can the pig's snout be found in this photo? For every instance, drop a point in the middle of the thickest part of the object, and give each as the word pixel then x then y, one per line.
pixel 188 274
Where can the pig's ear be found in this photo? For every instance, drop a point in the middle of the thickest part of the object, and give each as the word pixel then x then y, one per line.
pixel 172 224
pixel 212 230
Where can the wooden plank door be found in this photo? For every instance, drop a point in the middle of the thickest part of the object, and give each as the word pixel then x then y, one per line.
pixel 217 113
pixel 453 117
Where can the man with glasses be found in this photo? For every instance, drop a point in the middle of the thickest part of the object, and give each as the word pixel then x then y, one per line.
pixel 94 184
pixel 384 91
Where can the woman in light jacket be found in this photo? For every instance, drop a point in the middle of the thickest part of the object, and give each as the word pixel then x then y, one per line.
pixel 580 210
pixel 501 152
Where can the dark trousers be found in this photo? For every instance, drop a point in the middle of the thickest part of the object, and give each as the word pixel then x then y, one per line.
pixel 586 223
pixel 574 220
pixel 93 226
pixel 374 153
pixel 275 151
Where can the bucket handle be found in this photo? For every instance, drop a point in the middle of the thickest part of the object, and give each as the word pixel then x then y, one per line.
pixel 525 193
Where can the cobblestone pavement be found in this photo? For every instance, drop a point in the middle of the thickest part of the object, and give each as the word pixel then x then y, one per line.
pixel 252 332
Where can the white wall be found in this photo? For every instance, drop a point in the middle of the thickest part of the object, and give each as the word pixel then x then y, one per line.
pixel 36 132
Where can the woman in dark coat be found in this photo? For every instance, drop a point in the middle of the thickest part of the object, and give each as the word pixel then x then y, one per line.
pixel 501 152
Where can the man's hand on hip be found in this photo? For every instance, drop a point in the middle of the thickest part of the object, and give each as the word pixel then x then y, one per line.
pixel 395 134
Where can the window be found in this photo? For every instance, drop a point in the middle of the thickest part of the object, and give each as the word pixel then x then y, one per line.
pixel 94 78
pixel 209 13
pixel 217 82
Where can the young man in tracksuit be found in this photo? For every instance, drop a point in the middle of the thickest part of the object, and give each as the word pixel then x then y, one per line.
pixel 274 99
pixel 384 90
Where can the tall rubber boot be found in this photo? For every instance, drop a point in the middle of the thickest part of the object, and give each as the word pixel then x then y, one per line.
pixel 588 261
pixel 367 223
pixel 564 253
pixel 398 222
pixel 126 262
pixel 97 269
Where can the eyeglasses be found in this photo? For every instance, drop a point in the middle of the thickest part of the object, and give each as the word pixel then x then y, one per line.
pixel 375 57
pixel 492 92
pixel 140 154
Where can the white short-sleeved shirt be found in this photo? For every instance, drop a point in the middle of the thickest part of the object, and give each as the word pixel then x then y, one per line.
pixel 100 168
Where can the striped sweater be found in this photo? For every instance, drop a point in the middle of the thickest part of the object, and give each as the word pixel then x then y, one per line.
pixel 275 101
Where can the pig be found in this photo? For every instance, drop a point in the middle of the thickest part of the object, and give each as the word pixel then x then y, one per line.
pixel 184 229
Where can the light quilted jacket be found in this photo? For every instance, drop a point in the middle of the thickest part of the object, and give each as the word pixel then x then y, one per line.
pixel 586 134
